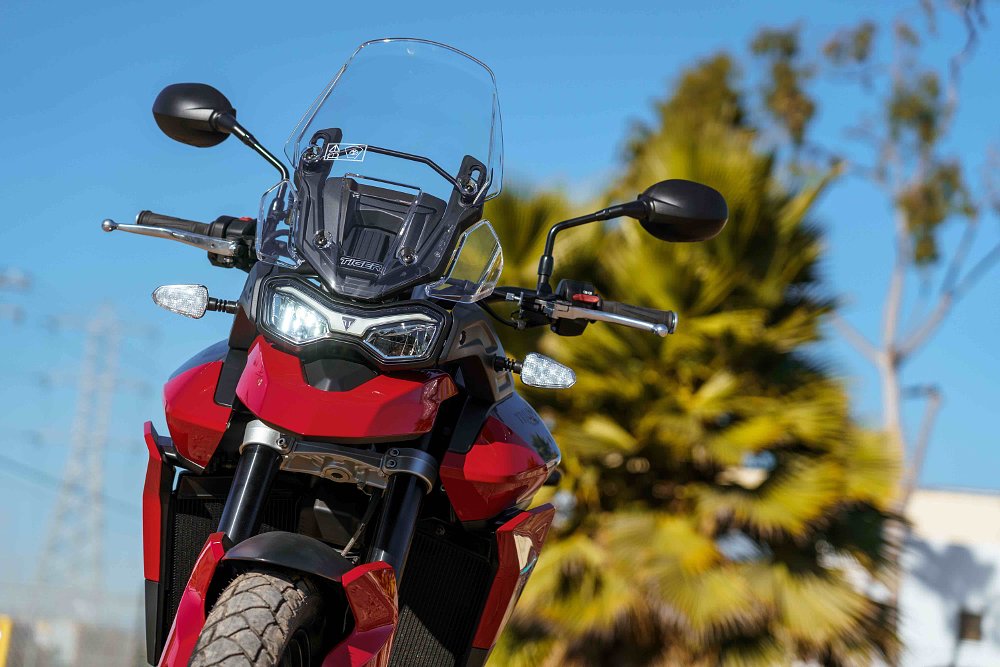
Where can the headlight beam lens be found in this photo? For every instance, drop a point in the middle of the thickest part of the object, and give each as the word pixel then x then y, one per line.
pixel 297 321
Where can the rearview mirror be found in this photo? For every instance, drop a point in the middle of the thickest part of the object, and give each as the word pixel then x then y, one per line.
pixel 680 210
pixel 674 210
pixel 189 113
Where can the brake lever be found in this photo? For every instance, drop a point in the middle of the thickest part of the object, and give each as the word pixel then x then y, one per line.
pixel 556 310
pixel 213 245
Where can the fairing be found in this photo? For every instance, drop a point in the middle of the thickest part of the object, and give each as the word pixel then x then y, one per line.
pixel 519 542
pixel 387 407
pixel 373 598
pixel 156 488
pixel 508 462
pixel 191 613
pixel 195 421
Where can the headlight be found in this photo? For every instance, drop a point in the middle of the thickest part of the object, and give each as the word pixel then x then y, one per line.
pixel 405 340
pixel 297 312
pixel 295 320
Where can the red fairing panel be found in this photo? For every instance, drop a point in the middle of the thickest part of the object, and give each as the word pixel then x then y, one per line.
pixel 498 472
pixel 157 484
pixel 519 542
pixel 371 593
pixel 191 611
pixel 395 407
pixel 196 422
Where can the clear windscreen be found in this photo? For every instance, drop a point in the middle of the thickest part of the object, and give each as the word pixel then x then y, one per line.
pixel 388 161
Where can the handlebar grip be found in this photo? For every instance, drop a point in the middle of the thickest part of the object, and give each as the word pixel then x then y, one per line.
pixel 668 318
pixel 151 219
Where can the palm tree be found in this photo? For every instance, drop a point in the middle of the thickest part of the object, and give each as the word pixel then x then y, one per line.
pixel 719 498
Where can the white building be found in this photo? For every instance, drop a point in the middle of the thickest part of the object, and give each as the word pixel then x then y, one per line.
pixel 950 597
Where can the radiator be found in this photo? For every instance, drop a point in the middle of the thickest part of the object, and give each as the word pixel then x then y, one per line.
pixel 447 579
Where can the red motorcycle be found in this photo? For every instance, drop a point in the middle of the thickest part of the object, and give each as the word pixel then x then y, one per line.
pixel 360 423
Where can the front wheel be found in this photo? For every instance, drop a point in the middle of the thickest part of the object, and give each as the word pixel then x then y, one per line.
pixel 263 618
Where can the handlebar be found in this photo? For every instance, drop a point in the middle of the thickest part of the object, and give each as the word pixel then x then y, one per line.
pixel 150 219
pixel 538 309
pixel 228 240
pixel 559 309
pixel 667 318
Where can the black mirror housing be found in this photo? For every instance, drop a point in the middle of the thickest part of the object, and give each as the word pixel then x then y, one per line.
pixel 685 211
pixel 187 112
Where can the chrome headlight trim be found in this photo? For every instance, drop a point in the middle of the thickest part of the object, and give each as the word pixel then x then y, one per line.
pixel 348 322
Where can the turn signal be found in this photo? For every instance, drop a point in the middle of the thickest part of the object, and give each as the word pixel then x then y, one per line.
pixel 186 300
pixel 537 370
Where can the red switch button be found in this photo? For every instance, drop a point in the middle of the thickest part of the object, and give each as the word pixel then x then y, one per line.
pixel 587 298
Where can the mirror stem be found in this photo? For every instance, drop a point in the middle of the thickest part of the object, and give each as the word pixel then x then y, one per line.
pixel 634 209
pixel 226 122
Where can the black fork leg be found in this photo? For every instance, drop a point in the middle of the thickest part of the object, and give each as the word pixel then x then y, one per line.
pixel 403 497
pixel 255 472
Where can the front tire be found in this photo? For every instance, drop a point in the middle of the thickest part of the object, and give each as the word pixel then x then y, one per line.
pixel 263 618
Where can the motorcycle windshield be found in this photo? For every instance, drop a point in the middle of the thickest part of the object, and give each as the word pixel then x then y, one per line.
pixel 403 141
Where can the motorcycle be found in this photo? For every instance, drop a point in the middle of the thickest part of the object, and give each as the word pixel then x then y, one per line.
pixel 348 478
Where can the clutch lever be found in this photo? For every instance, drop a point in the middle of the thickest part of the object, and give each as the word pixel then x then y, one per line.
pixel 213 245
pixel 558 309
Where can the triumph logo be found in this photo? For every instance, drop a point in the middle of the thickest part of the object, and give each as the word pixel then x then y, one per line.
pixel 348 321
pixel 361 264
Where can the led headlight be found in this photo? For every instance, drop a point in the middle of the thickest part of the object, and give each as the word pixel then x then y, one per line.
pixel 403 340
pixel 296 320
pixel 299 313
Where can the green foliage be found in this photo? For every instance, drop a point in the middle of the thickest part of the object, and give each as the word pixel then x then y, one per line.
pixel 673 550
pixel 916 105
pixel 928 202
pixel 784 93
pixel 854 46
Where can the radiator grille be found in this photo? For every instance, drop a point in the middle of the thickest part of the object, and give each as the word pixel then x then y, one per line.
pixel 443 593
pixel 197 517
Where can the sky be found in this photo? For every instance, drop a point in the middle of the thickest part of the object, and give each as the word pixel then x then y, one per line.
pixel 79 144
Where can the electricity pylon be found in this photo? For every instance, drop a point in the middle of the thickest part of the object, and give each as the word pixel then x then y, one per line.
pixel 73 551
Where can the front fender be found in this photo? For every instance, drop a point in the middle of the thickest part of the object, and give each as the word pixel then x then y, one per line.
pixel 291 551
pixel 370 589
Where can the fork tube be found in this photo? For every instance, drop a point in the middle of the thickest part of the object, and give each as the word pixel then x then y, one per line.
pixel 255 472
pixel 404 495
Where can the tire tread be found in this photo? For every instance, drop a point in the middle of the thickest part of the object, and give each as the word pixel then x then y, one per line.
pixel 254 618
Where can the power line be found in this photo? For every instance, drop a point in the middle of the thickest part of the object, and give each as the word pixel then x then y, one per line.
pixel 42 478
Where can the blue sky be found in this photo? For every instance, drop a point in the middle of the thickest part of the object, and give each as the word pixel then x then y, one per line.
pixel 79 144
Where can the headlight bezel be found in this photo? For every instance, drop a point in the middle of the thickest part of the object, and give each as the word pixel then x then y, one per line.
pixel 348 323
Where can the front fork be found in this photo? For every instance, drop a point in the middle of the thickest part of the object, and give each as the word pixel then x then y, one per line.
pixel 397 522
pixel 255 472
pixel 406 474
